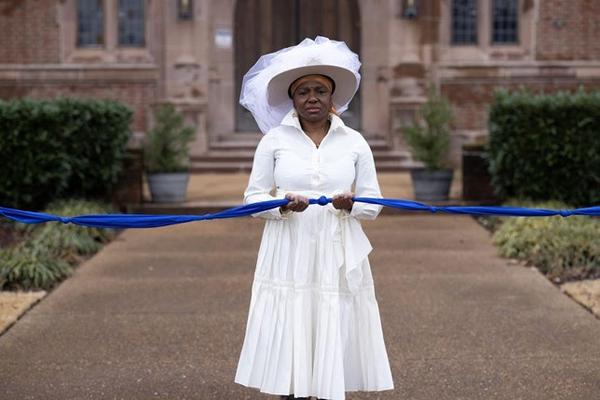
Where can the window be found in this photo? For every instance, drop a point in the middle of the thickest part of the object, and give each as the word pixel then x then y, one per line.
pixel 490 30
pixel 108 24
pixel 464 22
pixel 90 23
pixel 131 23
pixel 504 22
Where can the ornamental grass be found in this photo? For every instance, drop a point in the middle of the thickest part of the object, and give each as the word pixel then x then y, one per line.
pixel 563 249
pixel 48 252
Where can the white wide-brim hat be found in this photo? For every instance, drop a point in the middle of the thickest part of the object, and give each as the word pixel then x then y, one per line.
pixel 265 86
pixel 346 83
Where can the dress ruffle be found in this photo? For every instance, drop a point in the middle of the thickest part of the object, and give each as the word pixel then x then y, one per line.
pixel 313 326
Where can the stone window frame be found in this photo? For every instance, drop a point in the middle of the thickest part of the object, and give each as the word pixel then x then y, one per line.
pixel 110 51
pixel 485 49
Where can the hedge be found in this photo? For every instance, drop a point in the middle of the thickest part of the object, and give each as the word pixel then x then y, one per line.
pixel 60 148
pixel 545 147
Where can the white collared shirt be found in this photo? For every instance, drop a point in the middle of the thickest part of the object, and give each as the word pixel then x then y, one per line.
pixel 288 161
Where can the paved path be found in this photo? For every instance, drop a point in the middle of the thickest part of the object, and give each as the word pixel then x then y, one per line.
pixel 161 314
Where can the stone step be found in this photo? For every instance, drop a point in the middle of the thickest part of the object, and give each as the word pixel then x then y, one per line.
pixel 236 156
pixel 250 144
pixel 389 165
pixel 225 156
pixel 220 166
pixel 247 156
pixel 234 145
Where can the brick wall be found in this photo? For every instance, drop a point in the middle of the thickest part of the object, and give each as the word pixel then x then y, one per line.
pixel 471 100
pixel 28 32
pixel 135 95
pixel 568 30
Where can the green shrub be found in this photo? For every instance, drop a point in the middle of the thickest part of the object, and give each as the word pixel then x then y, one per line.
pixel 50 250
pixel 60 148
pixel 167 148
pixel 429 140
pixel 562 248
pixel 546 146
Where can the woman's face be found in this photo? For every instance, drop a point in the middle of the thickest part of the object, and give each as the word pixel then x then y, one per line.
pixel 312 101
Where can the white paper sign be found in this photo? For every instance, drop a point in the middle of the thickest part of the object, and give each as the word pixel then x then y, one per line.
pixel 223 38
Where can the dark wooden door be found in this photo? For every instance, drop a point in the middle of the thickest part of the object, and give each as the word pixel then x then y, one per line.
pixel 264 26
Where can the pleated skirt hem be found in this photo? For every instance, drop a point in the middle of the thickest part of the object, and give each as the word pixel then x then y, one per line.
pixel 276 393
pixel 313 342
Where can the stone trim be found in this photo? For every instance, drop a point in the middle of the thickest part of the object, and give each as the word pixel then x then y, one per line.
pixel 81 73
pixel 537 70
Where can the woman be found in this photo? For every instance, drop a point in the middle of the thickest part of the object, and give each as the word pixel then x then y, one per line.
pixel 313 325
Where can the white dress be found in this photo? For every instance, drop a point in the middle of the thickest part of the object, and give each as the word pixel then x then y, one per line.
pixel 313 326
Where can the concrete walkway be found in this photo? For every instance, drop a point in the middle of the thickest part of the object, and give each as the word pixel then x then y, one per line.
pixel 161 313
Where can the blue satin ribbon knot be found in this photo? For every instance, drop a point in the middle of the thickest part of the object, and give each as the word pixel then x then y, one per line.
pixel 152 221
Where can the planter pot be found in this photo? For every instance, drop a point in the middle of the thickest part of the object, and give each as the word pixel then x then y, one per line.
pixel 168 187
pixel 476 180
pixel 431 185
pixel 129 188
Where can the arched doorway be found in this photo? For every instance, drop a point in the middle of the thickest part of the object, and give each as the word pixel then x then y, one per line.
pixel 263 26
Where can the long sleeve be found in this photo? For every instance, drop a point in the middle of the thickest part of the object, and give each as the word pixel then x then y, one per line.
pixel 261 181
pixel 366 184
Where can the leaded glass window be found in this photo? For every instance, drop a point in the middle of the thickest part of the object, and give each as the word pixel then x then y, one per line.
pixel 131 23
pixel 464 21
pixel 505 19
pixel 90 23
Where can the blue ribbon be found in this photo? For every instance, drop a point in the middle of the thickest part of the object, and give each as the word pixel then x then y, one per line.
pixel 152 221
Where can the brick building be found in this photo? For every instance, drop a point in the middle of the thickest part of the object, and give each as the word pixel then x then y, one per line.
pixel 194 52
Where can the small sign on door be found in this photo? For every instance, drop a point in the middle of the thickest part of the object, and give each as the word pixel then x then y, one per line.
pixel 223 38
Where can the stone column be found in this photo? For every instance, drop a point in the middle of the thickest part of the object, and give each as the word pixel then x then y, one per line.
pixel 186 77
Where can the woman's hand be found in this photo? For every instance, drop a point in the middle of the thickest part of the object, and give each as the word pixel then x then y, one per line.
pixel 297 203
pixel 343 201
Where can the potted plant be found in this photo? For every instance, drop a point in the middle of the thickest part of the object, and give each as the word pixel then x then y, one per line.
pixel 429 140
pixel 167 155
